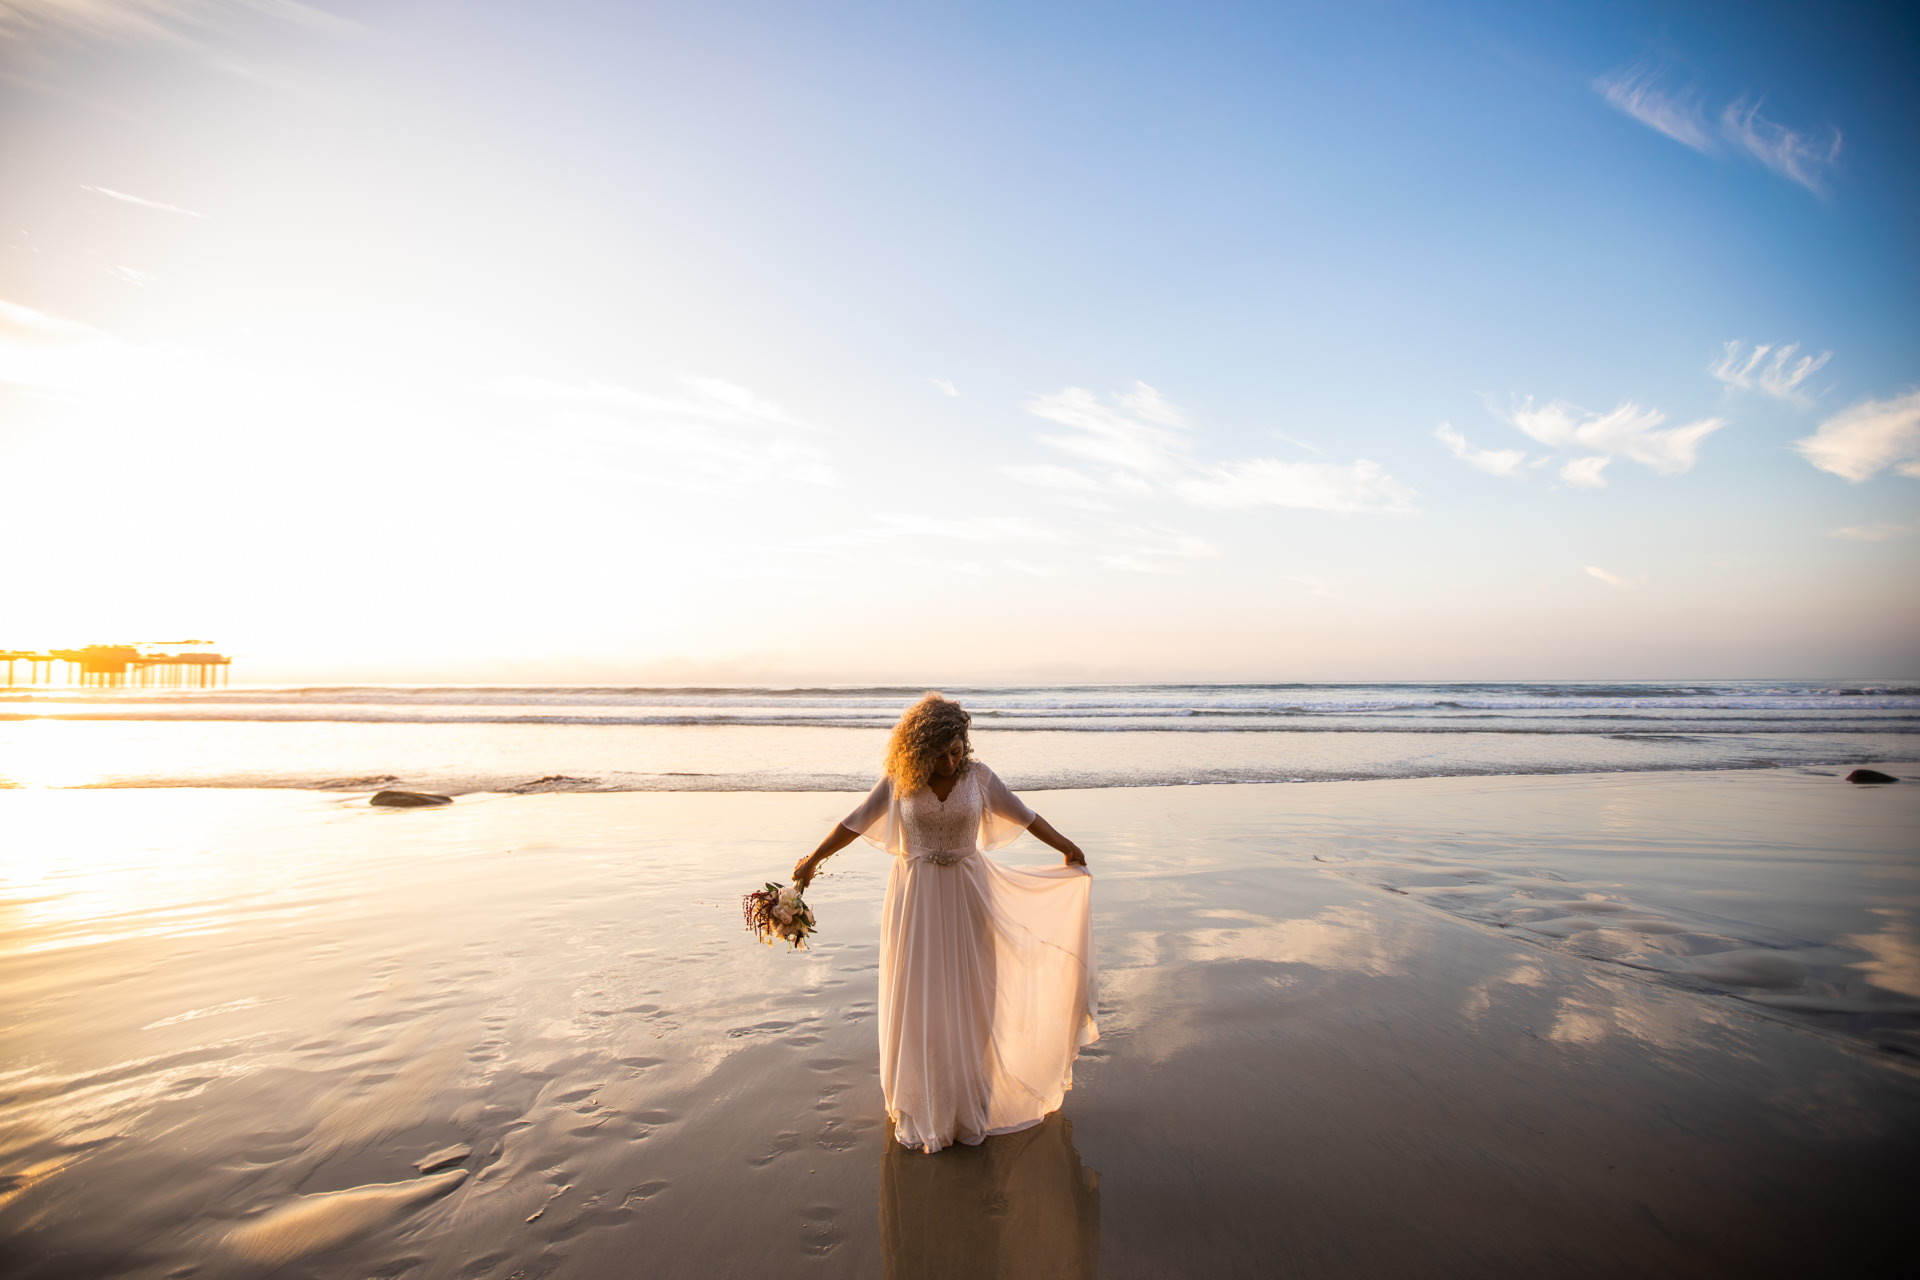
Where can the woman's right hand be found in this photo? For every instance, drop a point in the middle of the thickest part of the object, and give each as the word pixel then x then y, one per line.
pixel 837 839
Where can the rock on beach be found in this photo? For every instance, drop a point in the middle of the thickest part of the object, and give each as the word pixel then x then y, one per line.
pixel 408 799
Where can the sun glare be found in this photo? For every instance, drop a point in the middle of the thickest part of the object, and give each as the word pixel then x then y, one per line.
pixel 37 755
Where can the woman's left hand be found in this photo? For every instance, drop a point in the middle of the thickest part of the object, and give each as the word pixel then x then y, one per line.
pixel 1043 831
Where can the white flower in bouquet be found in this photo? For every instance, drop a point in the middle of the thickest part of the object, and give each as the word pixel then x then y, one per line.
pixel 777 912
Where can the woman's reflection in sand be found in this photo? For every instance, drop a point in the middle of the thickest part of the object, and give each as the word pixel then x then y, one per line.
pixel 1016 1205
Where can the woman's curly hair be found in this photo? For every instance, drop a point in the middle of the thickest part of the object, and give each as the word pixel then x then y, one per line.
pixel 924 731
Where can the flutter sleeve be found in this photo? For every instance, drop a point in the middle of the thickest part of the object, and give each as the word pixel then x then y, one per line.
pixel 877 819
pixel 1003 815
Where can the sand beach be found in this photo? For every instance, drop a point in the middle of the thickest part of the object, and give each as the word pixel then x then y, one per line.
pixel 1602 1025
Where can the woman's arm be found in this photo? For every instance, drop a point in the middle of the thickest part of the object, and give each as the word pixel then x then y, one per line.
pixel 837 839
pixel 1043 832
pixel 1004 804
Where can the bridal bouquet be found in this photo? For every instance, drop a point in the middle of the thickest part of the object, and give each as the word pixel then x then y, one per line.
pixel 776 912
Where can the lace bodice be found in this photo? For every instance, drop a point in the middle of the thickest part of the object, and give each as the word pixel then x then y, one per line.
pixel 979 813
pixel 943 831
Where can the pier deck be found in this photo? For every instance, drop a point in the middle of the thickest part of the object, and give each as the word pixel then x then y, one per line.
pixel 119 666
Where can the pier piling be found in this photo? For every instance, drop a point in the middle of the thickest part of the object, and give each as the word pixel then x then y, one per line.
pixel 115 666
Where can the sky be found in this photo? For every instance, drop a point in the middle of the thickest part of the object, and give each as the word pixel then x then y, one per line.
pixel 941 343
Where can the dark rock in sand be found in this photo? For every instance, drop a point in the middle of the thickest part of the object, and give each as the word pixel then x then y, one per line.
pixel 1870 775
pixel 408 799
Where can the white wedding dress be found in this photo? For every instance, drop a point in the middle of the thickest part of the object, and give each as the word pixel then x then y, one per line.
pixel 987 979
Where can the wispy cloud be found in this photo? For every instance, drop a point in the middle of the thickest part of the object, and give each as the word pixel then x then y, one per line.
pixel 51 353
pixel 1065 479
pixel 1629 432
pixel 20 19
pixel 1795 156
pixel 1611 579
pixel 1315 486
pixel 1799 157
pixel 24 324
pixel 131 275
pixel 1879 532
pixel 1138 445
pixel 132 19
pixel 713 400
pixel 1585 473
pixel 1636 92
pixel 1781 377
pixel 888 528
pixel 945 386
pixel 1867 438
pixel 1313 582
pixel 1154 549
pixel 1141 445
pixel 744 405
pixel 141 201
pixel 1498 462
pixel 1128 548
pixel 39 37
pixel 709 436
pixel 1299 444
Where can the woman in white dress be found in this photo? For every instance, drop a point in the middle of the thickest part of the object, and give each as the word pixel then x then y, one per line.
pixel 987 982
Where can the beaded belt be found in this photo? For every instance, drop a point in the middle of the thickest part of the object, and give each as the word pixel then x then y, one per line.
pixel 941 859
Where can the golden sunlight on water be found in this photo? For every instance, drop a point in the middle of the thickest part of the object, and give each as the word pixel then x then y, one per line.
pixel 51 753
pixel 153 864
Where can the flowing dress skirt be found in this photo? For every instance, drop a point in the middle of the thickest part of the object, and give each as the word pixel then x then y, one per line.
pixel 987 993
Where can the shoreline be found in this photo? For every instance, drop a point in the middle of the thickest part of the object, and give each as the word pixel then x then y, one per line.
pixel 1906 768
pixel 587 740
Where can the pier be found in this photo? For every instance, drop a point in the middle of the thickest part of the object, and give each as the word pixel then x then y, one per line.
pixel 116 666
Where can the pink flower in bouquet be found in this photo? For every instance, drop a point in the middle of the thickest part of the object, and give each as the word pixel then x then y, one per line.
pixel 778 912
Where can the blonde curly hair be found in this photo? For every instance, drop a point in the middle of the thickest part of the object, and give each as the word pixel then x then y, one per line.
pixel 925 730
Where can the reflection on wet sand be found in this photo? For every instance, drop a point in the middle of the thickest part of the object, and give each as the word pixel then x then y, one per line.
pixel 246 1029
pixel 1017 1205
pixel 1789 893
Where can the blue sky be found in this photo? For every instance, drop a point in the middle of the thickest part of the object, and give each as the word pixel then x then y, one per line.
pixel 843 342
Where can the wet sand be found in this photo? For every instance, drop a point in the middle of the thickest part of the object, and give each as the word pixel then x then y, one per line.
pixel 1640 1024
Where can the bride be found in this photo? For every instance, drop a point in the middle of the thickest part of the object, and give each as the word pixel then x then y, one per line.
pixel 987 984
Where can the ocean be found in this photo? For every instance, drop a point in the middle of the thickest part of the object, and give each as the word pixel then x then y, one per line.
pixel 502 738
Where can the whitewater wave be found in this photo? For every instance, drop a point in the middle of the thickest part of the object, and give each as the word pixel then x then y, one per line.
pixel 1885 706
pixel 1611 725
